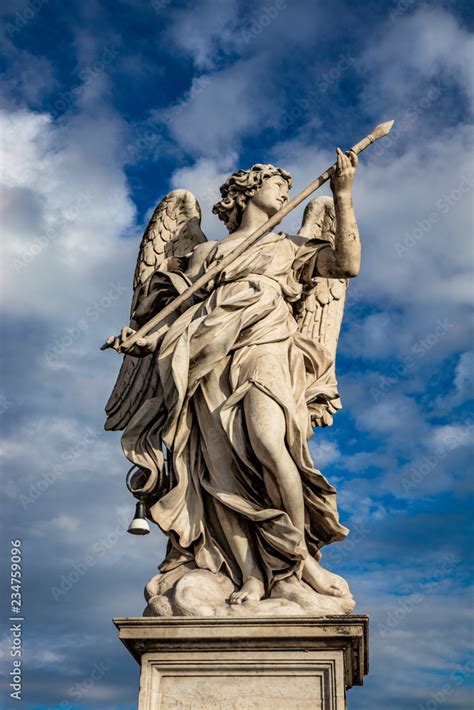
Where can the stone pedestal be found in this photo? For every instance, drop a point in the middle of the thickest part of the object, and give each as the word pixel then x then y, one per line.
pixel 237 664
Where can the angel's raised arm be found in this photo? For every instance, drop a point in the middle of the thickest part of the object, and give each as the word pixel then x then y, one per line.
pixel 340 259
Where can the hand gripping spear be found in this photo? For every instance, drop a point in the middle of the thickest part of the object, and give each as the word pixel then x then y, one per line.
pixel 379 132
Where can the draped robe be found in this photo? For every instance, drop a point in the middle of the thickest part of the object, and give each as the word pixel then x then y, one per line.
pixel 240 334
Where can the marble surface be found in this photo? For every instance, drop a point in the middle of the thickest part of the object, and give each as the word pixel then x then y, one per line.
pixel 244 664
pixel 219 402
pixel 203 593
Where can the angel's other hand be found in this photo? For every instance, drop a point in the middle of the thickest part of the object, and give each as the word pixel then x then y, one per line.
pixel 344 172
pixel 141 347
pixel 116 341
pixel 125 333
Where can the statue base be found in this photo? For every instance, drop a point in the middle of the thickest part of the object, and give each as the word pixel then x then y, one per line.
pixel 258 663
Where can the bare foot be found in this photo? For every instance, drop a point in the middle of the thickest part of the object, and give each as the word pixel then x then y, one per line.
pixel 324 581
pixel 251 591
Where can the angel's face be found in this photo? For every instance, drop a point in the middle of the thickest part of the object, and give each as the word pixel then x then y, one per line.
pixel 272 195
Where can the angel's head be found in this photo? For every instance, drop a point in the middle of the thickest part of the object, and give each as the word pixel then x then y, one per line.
pixel 264 184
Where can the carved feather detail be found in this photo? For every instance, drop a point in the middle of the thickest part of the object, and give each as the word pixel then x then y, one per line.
pixel 173 231
pixel 320 311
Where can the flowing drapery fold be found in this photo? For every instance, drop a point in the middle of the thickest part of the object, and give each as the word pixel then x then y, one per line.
pixel 239 334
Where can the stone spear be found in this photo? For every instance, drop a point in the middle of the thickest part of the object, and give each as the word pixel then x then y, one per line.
pixel 379 132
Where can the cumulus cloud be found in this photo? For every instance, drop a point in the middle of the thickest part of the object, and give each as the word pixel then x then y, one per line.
pixel 243 82
pixel 323 450
pixel 211 33
pixel 205 32
pixel 407 205
pixel 67 207
pixel 221 108
pixel 463 384
pixel 67 262
pixel 416 49
pixel 204 179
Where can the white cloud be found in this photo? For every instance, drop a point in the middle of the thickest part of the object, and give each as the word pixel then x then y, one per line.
pixel 26 77
pixel 394 415
pixel 372 335
pixel 361 508
pixel 404 636
pixel 463 384
pixel 246 94
pixel 426 45
pixel 64 525
pixel 323 450
pixel 221 109
pixel 464 379
pixel 204 179
pixel 66 208
pixel 206 30
pixel 67 268
pixel 451 436
pixel 362 460
pixel 213 30
pixel 415 219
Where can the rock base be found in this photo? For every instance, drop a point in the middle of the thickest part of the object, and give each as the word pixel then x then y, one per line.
pixel 200 593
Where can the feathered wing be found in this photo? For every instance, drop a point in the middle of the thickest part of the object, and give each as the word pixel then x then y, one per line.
pixel 172 232
pixel 321 308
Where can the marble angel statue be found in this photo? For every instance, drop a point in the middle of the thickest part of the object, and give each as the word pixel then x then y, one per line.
pixel 217 408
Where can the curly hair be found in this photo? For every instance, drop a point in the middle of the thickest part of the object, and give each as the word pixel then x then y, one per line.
pixel 240 188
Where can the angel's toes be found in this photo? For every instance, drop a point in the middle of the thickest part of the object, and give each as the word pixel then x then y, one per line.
pixel 339 587
pixel 253 597
pixel 237 598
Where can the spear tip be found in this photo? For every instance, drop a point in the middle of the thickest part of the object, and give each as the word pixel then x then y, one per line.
pixel 382 129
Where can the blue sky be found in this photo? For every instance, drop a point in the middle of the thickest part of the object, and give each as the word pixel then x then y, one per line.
pixel 105 107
